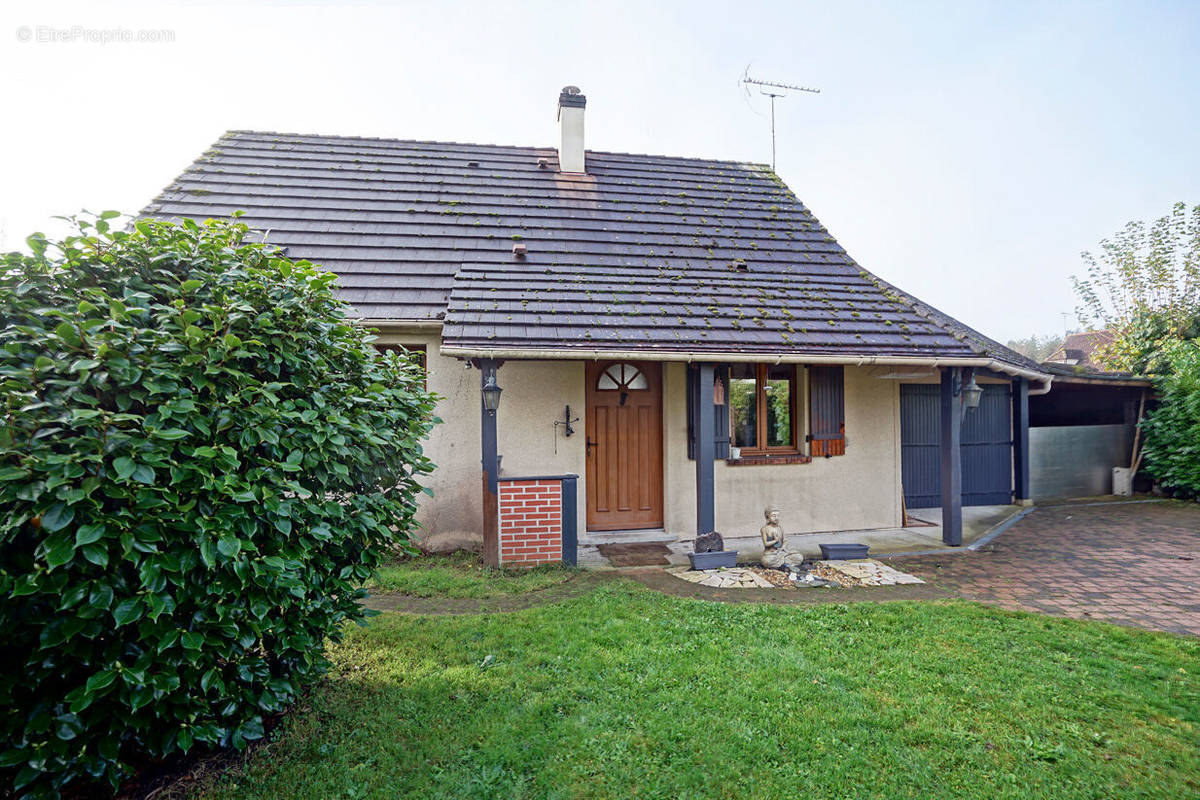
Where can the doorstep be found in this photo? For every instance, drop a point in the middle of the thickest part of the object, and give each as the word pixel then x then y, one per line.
pixel 641 536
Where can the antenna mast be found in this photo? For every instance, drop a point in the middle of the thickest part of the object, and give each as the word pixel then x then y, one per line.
pixel 781 91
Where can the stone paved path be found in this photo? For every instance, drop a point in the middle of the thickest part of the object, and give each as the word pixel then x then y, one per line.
pixel 1131 563
pixel 1134 564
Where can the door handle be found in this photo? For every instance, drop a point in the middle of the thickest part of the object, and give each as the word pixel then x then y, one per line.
pixel 590 445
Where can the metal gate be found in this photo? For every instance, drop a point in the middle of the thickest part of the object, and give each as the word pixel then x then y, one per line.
pixel 986 447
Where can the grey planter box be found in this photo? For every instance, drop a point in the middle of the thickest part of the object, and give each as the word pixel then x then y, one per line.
pixel 721 558
pixel 842 552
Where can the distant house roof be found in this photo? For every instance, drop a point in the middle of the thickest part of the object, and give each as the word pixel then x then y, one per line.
pixel 641 253
pixel 1079 349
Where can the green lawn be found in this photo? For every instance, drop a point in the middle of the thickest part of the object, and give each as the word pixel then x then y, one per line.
pixel 463 575
pixel 624 692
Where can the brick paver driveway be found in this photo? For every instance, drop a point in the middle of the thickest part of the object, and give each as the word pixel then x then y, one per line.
pixel 1130 563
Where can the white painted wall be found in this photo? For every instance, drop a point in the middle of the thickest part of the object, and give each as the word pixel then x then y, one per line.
pixel 860 490
pixel 454 513
pixel 535 395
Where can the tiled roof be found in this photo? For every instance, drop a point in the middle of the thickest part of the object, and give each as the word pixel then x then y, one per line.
pixel 1078 349
pixel 643 252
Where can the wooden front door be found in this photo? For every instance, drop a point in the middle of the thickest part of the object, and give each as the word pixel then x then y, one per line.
pixel 624 450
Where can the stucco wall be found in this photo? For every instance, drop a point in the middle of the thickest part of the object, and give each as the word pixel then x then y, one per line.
pixel 859 490
pixel 535 394
pixel 454 514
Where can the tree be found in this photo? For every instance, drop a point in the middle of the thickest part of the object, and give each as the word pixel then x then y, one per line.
pixel 201 459
pixel 1145 287
pixel 1039 348
pixel 1172 431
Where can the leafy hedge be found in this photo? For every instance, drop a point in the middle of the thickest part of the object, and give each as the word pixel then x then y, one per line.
pixel 200 462
pixel 1172 431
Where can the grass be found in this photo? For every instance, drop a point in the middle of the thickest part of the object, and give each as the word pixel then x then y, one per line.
pixel 624 692
pixel 463 575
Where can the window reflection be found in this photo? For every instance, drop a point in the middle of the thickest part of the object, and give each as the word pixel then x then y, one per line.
pixel 778 389
pixel 743 405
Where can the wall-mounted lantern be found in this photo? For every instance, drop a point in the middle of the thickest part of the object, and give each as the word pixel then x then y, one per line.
pixel 972 394
pixel 969 395
pixel 491 394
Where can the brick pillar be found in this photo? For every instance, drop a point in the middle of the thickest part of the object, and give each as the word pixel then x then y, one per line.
pixel 531 522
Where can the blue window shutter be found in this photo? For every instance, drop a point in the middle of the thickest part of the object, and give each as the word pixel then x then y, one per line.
pixel 721 415
pixel 827 411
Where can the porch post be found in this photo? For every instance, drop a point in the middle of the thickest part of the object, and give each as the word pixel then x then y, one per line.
pixel 951 452
pixel 1020 423
pixel 706 450
pixel 491 471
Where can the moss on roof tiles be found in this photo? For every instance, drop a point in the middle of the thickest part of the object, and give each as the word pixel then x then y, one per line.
pixel 753 211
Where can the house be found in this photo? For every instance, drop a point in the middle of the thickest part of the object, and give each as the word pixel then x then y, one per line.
pixel 632 347
pixel 1079 349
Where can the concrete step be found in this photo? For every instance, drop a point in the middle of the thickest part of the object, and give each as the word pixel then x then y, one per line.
pixel 644 536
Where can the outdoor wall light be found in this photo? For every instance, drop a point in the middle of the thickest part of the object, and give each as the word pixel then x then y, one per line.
pixel 972 394
pixel 491 394
pixel 969 395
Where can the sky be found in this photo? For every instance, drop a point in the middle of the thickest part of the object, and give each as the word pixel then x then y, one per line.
pixel 965 151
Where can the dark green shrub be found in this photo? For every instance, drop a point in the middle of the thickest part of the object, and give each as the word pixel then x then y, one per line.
pixel 1172 431
pixel 200 462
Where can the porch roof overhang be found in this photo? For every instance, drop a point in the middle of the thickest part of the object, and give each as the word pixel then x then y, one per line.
pixel 596 354
pixel 399 324
pixel 1079 375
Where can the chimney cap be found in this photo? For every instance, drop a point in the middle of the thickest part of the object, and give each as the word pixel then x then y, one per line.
pixel 572 97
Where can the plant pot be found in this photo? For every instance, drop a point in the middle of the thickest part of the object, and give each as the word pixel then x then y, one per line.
pixel 721 558
pixel 843 552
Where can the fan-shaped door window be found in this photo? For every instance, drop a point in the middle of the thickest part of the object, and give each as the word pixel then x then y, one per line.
pixel 625 377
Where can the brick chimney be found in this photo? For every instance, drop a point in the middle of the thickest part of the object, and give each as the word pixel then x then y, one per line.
pixel 570 127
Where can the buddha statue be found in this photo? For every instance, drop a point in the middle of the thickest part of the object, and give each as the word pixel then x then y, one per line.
pixel 775 550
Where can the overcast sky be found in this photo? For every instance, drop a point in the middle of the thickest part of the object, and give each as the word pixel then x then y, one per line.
pixel 965 151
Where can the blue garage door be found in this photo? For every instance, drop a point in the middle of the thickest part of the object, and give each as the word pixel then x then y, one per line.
pixel 986 447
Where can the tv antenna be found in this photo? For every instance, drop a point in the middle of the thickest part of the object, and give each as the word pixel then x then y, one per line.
pixel 773 90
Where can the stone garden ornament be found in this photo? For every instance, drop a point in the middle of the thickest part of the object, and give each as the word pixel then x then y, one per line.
pixel 775 551
pixel 711 542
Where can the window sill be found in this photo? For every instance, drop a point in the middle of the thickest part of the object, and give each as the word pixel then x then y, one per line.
pixel 756 460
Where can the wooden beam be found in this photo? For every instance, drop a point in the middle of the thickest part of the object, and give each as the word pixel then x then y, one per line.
pixel 706 448
pixel 1020 445
pixel 951 452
